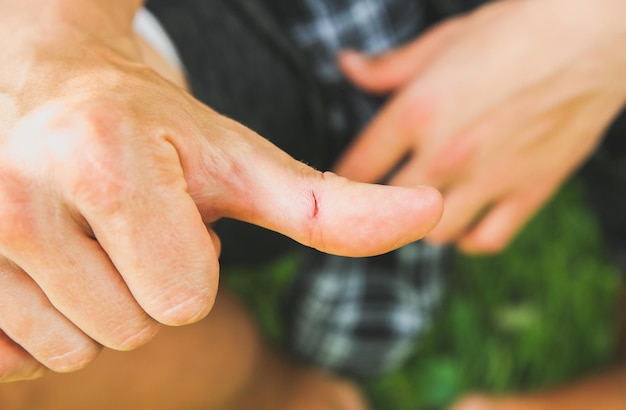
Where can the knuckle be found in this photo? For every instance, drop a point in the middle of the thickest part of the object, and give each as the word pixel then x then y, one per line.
pixel 74 144
pixel 483 244
pixel 98 180
pixel 421 110
pixel 98 183
pixel 82 146
pixel 16 219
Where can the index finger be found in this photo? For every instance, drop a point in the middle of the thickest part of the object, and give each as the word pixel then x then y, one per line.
pixel 143 217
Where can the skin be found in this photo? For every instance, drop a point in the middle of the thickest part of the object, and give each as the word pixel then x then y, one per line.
pixel 110 173
pixel 219 363
pixel 496 108
pixel 190 166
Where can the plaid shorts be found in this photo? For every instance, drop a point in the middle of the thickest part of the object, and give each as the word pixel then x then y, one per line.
pixel 362 317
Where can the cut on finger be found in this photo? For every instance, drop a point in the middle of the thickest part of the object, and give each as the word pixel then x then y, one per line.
pixel 270 189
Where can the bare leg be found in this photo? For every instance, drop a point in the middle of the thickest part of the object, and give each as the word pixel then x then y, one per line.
pixel 219 363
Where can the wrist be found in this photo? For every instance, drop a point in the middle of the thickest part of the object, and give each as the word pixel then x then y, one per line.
pixel 52 23
pixel 90 14
pixel 55 48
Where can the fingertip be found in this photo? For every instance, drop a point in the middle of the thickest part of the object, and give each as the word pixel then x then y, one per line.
pixel 352 60
pixel 372 73
pixel 482 241
pixel 183 305
pixel 439 236
pixel 435 240
pixel 139 336
pixel 355 66
pixel 73 360
pixel 189 311
pixel 431 195
pixel 369 219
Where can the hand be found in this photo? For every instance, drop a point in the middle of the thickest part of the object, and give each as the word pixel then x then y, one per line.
pixel 108 176
pixel 495 108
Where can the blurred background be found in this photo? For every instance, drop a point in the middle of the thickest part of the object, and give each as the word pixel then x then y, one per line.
pixel 540 314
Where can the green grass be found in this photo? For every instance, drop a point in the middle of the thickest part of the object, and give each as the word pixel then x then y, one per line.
pixel 535 316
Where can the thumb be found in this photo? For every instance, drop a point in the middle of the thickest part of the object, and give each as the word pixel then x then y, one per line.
pixel 262 185
pixel 376 74
pixel 386 72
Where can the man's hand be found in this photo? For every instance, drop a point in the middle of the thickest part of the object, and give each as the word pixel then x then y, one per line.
pixel 108 176
pixel 495 108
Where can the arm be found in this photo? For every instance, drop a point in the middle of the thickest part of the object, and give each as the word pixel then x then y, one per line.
pixel 109 174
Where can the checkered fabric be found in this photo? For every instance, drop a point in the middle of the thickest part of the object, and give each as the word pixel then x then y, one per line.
pixel 322 28
pixel 362 317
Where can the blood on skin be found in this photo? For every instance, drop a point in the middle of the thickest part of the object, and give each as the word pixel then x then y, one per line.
pixel 316 207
